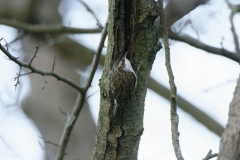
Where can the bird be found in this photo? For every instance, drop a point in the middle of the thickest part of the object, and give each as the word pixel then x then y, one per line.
pixel 123 82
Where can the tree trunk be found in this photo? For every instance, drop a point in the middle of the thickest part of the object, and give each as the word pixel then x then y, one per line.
pixel 230 142
pixel 131 27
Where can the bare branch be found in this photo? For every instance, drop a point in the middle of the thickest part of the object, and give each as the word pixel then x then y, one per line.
pixel 64 113
pixel 173 96
pixel 96 58
pixel 5 42
pixel 24 74
pixel 20 36
pixel 49 142
pixel 92 94
pixel 44 83
pixel 48 28
pixel 210 155
pixel 80 100
pixel 69 126
pixel 189 108
pixel 180 28
pixel 43 73
pixel 91 11
pixel 234 10
pixel 54 63
pixel 194 29
pixel 17 78
pixel 195 43
pixel 34 56
pixel 81 97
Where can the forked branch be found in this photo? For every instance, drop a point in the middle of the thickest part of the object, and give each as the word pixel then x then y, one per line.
pixel 41 72
pixel 80 100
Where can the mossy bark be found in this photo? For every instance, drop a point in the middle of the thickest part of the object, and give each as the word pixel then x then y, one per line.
pixel 131 27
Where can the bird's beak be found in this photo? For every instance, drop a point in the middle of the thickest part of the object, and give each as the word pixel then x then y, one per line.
pixel 126 53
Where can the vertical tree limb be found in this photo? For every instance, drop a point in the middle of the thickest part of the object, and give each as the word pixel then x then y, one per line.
pixel 173 88
pixel 230 141
pixel 80 100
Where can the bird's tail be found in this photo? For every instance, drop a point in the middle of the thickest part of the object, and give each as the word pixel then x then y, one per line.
pixel 116 111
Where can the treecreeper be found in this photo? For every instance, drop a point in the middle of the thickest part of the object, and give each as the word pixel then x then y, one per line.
pixel 123 82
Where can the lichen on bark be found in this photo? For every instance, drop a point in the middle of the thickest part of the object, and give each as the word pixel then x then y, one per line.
pixel 131 27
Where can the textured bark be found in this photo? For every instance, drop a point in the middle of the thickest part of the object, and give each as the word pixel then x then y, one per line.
pixel 230 142
pixel 131 27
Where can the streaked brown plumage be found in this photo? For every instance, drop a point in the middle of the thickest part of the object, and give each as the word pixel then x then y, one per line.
pixel 123 83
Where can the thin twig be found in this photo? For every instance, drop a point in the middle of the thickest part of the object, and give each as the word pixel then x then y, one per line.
pixel 234 33
pixel 69 126
pixel 80 100
pixel 64 113
pixel 40 144
pixel 91 11
pixel 198 44
pixel 5 42
pixel 194 29
pixel 20 36
pixel 44 83
pixel 24 74
pixel 210 155
pixel 18 78
pixel 54 62
pixel 49 142
pixel 48 28
pixel 92 94
pixel 43 73
pixel 96 58
pixel 173 96
pixel 34 56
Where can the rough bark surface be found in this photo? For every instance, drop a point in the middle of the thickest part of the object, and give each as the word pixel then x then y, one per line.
pixel 131 27
pixel 230 141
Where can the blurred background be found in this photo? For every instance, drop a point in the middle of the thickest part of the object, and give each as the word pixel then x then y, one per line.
pixel 32 119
